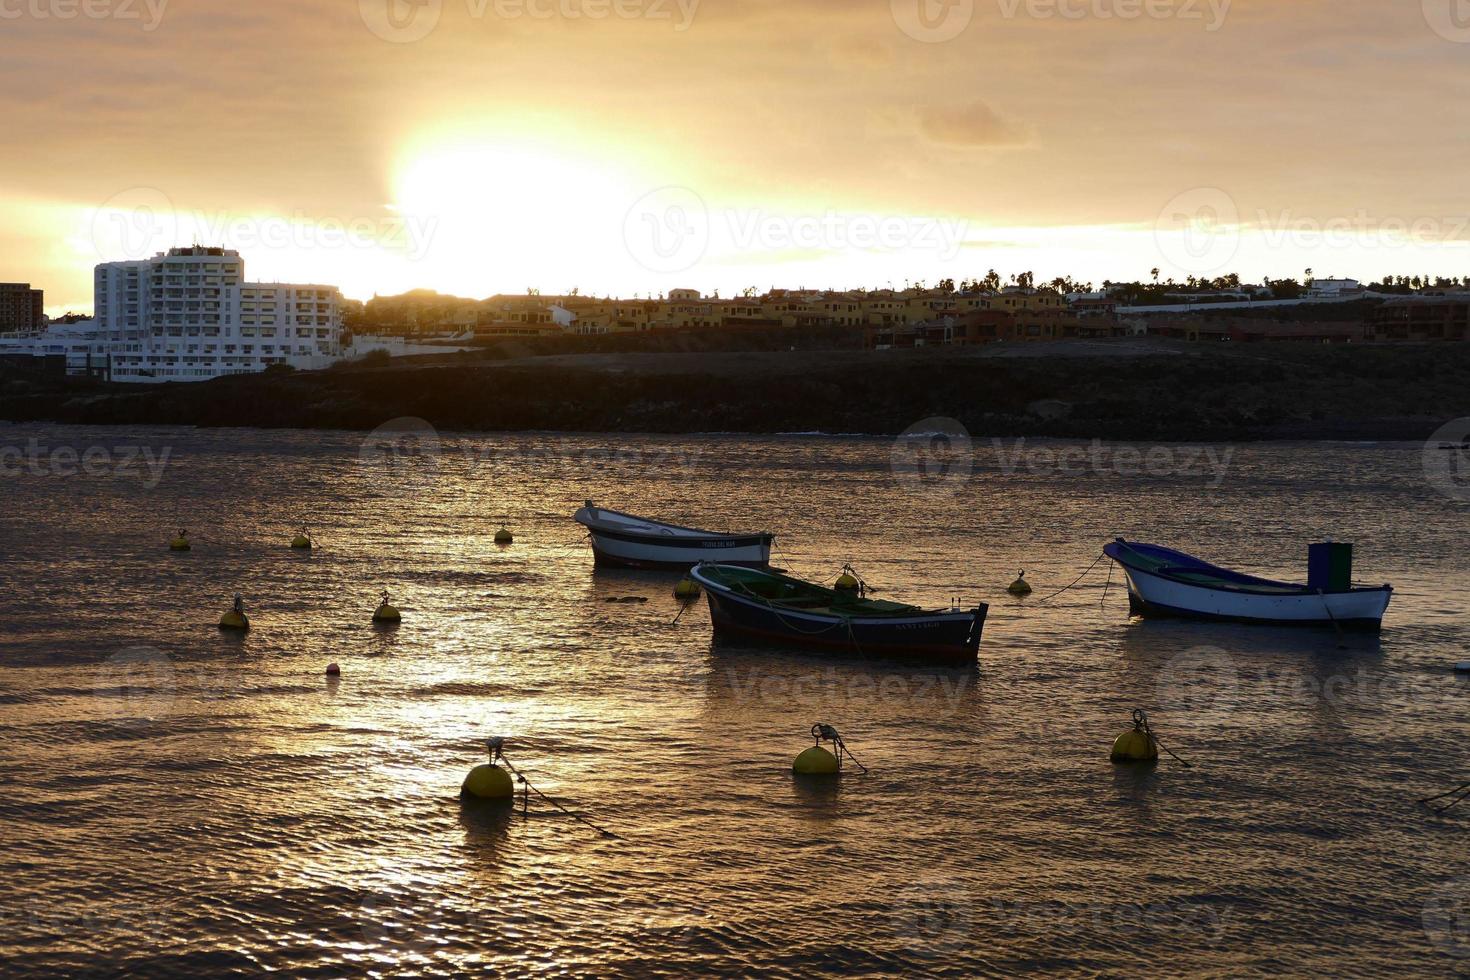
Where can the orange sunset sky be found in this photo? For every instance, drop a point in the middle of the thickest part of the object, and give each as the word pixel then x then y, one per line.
pixel 477 147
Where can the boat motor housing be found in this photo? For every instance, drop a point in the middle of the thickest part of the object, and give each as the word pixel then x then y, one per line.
pixel 1330 566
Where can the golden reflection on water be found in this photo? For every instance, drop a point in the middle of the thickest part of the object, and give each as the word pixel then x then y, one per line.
pixel 262 815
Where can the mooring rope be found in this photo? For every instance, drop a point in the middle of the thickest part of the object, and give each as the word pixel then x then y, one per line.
pixel 1075 580
pixel 527 783
pixel 1460 792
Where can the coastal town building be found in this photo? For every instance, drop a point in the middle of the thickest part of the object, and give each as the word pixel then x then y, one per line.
pixel 22 309
pixel 1422 318
pixel 189 315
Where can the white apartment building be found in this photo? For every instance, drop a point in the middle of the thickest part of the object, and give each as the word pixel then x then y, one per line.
pixel 188 315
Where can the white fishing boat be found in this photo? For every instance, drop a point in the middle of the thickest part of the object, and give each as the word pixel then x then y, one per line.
pixel 1165 582
pixel 625 541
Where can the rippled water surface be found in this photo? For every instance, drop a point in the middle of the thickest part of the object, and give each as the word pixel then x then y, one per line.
pixel 179 801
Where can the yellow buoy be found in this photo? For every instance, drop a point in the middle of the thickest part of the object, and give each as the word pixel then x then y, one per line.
pixel 687 588
pixel 815 761
pixel 503 536
pixel 1136 744
pixel 1020 586
pixel 180 543
pixel 387 612
pixel 302 540
pixel 847 582
pixel 235 619
pixel 488 782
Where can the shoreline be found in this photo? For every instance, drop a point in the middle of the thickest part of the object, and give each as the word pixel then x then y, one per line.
pixel 1115 391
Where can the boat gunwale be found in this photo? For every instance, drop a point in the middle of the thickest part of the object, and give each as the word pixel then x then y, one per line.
pixel 686 534
pixel 1115 549
pixel 895 617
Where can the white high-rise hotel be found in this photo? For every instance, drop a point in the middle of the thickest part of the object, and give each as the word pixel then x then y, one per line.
pixel 188 315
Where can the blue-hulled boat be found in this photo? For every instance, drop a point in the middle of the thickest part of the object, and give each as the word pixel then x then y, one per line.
pixel 1165 582
pixel 757 605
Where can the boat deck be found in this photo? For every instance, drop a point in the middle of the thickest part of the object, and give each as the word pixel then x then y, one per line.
pixel 1207 577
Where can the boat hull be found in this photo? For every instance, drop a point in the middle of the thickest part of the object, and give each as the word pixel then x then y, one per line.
pixel 948 637
pixel 1154 595
pixel 632 551
pixel 624 541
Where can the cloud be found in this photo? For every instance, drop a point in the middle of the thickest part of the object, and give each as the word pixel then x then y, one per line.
pixel 975 124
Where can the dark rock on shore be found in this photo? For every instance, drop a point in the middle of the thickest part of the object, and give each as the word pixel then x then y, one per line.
pixel 1110 390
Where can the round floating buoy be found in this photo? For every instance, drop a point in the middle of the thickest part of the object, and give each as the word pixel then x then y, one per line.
pixel 235 619
pixel 301 540
pixel 488 782
pixel 1136 744
pixel 847 582
pixel 503 536
pixel 387 612
pixel 333 670
pixel 180 543
pixel 687 588
pixel 815 761
pixel 1020 586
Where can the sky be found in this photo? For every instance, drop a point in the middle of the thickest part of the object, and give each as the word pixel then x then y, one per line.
pixel 627 147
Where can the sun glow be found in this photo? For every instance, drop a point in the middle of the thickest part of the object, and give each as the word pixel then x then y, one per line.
pixel 504 216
